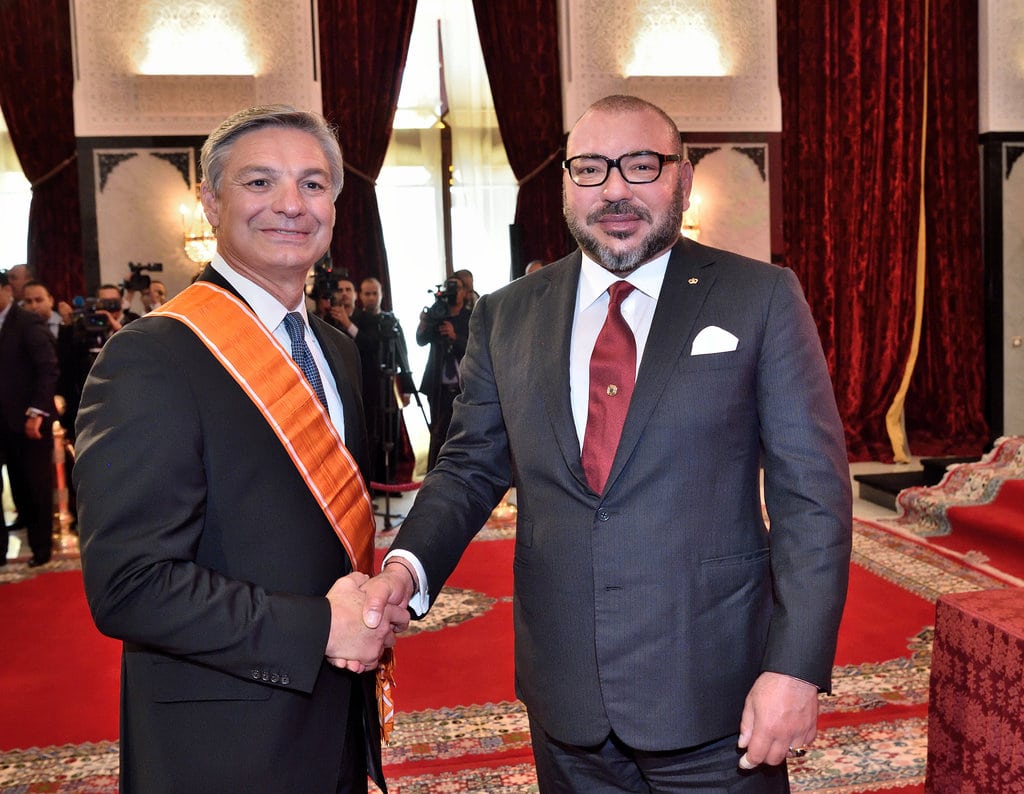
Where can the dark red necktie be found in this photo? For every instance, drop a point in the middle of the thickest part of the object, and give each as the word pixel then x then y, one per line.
pixel 612 374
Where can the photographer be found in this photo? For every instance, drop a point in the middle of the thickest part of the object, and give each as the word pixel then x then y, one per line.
pixel 87 328
pixel 152 292
pixel 385 364
pixel 445 327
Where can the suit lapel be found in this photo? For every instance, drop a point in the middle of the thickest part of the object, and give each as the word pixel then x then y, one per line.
pixel 559 301
pixel 688 280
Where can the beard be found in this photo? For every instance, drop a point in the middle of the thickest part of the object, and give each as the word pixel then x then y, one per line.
pixel 657 239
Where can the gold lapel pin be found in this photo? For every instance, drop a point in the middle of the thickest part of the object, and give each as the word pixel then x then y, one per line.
pixel 612 390
pixel 693 280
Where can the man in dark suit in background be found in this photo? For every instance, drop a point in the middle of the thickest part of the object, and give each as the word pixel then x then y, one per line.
pixel 228 576
pixel 445 327
pixel 665 639
pixel 28 367
pixel 386 373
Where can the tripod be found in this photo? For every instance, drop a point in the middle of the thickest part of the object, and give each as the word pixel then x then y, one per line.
pixel 392 358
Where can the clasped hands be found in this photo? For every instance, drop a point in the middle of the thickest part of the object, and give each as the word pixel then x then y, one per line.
pixel 366 617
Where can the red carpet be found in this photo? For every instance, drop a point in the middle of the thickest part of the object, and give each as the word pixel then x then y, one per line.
pixel 60 675
pixel 987 532
pixel 459 727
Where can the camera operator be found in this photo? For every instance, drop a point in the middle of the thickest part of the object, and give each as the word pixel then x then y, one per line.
pixel 445 327
pixel 385 363
pixel 343 306
pixel 80 339
pixel 151 292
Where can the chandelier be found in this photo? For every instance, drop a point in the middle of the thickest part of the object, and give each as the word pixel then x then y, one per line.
pixel 200 242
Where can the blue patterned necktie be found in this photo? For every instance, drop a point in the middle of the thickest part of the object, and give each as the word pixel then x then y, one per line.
pixel 296 328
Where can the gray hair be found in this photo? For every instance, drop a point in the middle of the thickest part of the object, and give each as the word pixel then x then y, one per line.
pixel 218 146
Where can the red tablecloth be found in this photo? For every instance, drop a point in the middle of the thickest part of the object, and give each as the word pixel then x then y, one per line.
pixel 976 705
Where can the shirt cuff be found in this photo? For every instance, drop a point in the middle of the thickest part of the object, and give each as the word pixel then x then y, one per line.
pixel 420 602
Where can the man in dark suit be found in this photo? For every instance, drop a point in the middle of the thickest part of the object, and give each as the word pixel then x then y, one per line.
pixel 386 372
pixel 209 554
pixel 445 327
pixel 665 639
pixel 28 367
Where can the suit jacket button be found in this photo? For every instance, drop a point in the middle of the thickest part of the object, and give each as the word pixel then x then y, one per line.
pixel 256 674
pixel 265 676
pixel 285 680
pixel 274 678
pixel 603 515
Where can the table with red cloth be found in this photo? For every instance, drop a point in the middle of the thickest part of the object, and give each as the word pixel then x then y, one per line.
pixel 976 702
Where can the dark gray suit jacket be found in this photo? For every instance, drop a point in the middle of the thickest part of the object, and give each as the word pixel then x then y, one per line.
pixel 651 610
pixel 203 550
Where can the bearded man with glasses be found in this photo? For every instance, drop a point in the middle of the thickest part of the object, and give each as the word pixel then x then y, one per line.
pixel 665 640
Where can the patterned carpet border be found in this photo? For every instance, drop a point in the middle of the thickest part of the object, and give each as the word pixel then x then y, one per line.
pixel 914 566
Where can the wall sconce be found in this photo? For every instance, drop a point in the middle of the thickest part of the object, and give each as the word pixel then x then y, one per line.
pixel 691 219
pixel 200 242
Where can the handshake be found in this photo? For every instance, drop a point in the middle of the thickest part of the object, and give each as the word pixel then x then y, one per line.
pixel 367 614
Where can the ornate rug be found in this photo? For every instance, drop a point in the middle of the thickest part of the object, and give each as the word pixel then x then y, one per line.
pixel 872 730
pixel 925 509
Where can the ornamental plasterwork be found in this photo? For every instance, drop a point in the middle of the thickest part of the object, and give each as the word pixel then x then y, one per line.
pixel 112 97
pixel 1001 65
pixel 602 42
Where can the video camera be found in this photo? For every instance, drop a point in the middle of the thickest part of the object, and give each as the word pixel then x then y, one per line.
pixel 138 281
pixel 324 281
pixel 446 296
pixel 88 312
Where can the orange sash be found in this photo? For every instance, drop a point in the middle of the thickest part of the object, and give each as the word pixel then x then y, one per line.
pixel 273 381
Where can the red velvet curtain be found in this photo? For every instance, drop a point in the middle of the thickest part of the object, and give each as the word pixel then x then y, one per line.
pixel 363 47
pixel 852 79
pixel 944 411
pixel 519 39
pixel 36 82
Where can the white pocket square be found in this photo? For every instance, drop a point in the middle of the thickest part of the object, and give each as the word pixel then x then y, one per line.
pixel 713 340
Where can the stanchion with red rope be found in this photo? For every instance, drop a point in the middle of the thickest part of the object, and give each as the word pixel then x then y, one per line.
pixel 64 539
pixel 387 489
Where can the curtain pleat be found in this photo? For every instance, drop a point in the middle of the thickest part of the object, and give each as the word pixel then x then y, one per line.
pixel 36 82
pixel 363 48
pixel 945 406
pixel 519 39
pixel 852 79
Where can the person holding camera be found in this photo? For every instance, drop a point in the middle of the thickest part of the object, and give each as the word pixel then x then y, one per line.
pixel 342 306
pixel 85 332
pixel 445 327
pixel 386 372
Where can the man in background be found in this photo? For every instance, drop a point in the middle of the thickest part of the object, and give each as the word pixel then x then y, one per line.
pixel 387 379
pixel 665 640
pixel 155 296
pixel 445 327
pixel 28 366
pixel 343 306
pixel 226 558
pixel 37 299
pixel 17 277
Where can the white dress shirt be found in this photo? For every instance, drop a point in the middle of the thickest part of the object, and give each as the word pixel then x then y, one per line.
pixel 271 313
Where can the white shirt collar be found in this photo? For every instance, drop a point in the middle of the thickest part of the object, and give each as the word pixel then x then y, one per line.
pixel 595 280
pixel 268 309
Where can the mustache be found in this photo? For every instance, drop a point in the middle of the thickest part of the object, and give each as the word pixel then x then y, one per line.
pixel 621 207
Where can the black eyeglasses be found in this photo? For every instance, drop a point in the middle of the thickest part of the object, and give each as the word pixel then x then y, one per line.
pixel 637 168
